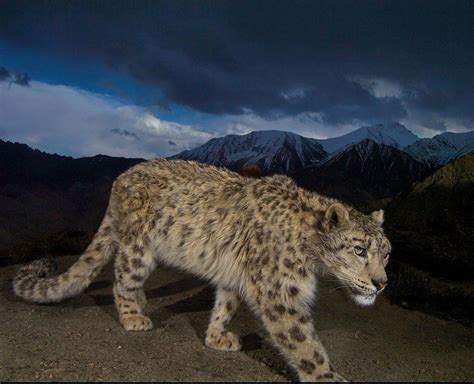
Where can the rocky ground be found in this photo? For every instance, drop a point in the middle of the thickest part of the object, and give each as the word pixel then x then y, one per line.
pixel 81 339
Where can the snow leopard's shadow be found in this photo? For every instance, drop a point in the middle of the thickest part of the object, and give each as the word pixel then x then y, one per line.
pixel 255 343
pixel 195 301
pixel 173 288
pixel 201 301
pixel 194 298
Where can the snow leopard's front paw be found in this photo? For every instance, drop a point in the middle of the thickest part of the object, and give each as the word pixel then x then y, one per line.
pixel 137 323
pixel 223 341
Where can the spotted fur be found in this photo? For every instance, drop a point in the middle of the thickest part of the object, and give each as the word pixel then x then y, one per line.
pixel 262 241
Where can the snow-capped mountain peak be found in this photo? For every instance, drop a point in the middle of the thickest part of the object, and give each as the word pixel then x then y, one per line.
pixel 441 148
pixel 392 134
pixel 272 151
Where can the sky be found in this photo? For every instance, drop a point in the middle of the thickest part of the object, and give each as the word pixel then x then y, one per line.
pixel 152 78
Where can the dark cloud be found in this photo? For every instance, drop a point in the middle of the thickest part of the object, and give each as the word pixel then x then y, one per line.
pixel 4 73
pixel 438 125
pixel 445 98
pixel 23 79
pixel 124 132
pixel 272 58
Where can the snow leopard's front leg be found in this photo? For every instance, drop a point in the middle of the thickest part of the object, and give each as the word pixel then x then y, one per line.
pixel 217 335
pixel 287 318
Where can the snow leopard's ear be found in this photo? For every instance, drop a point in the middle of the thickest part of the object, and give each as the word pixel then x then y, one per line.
pixel 378 216
pixel 336 215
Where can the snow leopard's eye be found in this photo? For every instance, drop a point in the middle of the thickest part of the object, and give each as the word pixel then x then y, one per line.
pixel 359 251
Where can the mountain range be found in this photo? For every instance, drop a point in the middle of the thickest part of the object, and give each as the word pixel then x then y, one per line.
pixel 285 152
pixel 372 162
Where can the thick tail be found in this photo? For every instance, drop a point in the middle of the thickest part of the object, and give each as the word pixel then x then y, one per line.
pixel 33 282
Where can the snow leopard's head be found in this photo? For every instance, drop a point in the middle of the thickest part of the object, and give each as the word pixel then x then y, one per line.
pixel 356 250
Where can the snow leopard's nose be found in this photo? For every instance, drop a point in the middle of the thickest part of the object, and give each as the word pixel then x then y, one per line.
pixel 380 284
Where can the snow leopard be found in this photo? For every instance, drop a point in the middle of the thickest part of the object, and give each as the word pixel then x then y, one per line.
pixel 264 241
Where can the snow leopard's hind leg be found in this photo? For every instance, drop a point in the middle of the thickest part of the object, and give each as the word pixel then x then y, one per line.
pixel 217 335
pixel 131 271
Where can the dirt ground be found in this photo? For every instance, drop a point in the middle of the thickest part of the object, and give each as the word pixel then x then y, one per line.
pixel 80 339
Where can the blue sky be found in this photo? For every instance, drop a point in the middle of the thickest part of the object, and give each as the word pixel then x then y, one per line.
pixel 152 78
pixel 96 88
pixel 91 76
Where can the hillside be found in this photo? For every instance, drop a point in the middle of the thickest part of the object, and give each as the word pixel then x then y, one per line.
pixel 431 228
pixel 432 225
pixel 43 194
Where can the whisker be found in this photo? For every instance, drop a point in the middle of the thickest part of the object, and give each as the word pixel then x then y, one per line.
pixel 340 287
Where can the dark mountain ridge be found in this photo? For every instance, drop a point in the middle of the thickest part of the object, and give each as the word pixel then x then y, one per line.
pixel 22 165
pixel 43 194
pixel 363 172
